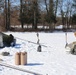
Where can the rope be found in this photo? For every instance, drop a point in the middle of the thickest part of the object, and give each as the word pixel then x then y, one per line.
pixel 31 42
pixel 17 68
pixel 27 41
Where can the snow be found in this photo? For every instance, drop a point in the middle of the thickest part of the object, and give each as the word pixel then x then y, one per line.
pixel 59 27
pixel 53 60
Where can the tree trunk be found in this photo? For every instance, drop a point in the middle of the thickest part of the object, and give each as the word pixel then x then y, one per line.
pixel 51 13
pixel 56 7
pixel 35 12
pixel 35 22
pixel 21 11
pixel 8 15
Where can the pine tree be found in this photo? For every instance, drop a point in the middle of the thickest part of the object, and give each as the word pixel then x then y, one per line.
pixel 51 15
pixel 24 12
pixel 35 13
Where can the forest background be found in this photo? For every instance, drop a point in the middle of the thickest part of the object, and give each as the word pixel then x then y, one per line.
pixel 22 15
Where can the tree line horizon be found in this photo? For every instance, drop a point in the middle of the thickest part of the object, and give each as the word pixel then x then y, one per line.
pixel 38 12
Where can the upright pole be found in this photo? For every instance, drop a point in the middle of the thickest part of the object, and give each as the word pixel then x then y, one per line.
pixel 39 46
pixel 37 38
pixel 66 38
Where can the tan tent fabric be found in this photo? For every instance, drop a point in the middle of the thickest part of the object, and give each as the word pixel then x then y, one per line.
pixel 23 58
pixel 17 58
pixel 75 34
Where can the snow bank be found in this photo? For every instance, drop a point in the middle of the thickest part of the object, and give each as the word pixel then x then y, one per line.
pixel 53 60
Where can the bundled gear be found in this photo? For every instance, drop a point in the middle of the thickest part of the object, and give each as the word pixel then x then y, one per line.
pixel 72 47
pixel 7 40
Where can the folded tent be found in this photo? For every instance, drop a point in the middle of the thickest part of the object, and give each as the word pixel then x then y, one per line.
pixel 7 40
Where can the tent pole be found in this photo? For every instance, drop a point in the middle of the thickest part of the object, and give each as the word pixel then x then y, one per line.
pixel 66 39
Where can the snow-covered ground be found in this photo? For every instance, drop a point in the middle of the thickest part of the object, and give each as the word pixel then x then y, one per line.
pixel 53 60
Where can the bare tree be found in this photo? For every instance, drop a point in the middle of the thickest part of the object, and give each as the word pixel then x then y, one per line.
pixel 35 13
pixel 56 6
pixel 21 12
pixel 51 14
pixel 46 5
pixel 62 13
pixel 7 14
pixel 8 21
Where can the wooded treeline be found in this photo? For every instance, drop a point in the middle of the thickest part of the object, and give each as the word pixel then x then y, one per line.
pixel 34 13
